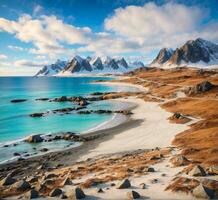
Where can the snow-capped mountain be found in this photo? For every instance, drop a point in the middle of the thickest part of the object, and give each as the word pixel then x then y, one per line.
pixel 197 53
pixel 89 65
pixel 50 70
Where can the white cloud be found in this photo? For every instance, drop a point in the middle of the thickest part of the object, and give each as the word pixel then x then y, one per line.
pixel 16 48
pixel 156 26
pixel 3 57
pixel 28 63
pixel 37 9
pixel 46 33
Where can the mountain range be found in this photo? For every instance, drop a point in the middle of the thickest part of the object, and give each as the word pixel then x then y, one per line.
pixel 95 65
pixel 197 52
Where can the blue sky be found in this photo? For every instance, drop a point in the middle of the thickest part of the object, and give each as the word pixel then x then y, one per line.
pixel 34 33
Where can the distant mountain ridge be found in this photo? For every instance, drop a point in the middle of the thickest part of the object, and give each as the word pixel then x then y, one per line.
pixel 192 53
pixel 96 65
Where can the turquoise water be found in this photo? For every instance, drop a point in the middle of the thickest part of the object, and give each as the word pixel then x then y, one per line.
pixel 15 123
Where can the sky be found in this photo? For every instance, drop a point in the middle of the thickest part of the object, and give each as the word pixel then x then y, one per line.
pixel 38 32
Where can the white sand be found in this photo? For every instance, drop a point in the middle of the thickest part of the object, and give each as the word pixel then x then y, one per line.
pixel 154 130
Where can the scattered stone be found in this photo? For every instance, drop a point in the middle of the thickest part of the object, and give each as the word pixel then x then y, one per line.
pixel 203 192
pixel 79 194
pixel 32 194
pixel 213 170
pixel 153 181
pixel 34 139
pixel 133 195
pixel 113 184
pixel 67 181
pixel 179 160
pixel 124 184
pixel 100 190
pixel 51 175
pixel 22 185
pixel 42 99
pixel 18 100
pixel 143 186
pixel 150 169
pixel 8 180
pixel 197 171
pixel 20 159
pixel 55 192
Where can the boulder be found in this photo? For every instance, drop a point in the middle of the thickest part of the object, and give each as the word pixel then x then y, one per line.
pixel 143 186
pixel 124 184
pixel 179 160
pixel 203 192
pixel 133 195
pixel 55 192
pixel 34 139
pixel 83 103
pixel 79 194
pixel 213 170
pixel 200 88
pixel 197 171
pixel 8 180
pixel 150 169
pixel 32 194
pixel 22 185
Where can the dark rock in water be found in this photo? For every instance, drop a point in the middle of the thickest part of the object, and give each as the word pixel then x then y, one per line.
pixel 18 100
pixel 16 154
pixel 34 139
pixel 83 103
pixel 42 99
pixel 197 171
pixel 97 93
pixel 124 184
pixel 133 195
pixel 55 192
pixel 61 99
pixel 43 149
pixel 203 192
pixel 32 194
pixel 37 115
pixel 22 185
pixel 79 194
pixel 8 180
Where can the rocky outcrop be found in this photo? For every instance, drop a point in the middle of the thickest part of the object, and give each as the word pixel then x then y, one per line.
pixel 32 194
pixel 8 180
pixel 202 87
pixel 197 171
pixel 203 192
pixel 179 160
pixel 34 139
pixel 55 192
pixel 22 185
pixel 213 170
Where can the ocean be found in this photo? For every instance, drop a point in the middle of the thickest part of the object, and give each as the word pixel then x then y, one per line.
pixel 16 124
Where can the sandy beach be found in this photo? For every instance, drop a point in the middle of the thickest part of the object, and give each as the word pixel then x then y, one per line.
pixel 123 150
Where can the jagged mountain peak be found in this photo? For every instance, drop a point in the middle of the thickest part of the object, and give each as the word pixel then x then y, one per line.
pixel 191 53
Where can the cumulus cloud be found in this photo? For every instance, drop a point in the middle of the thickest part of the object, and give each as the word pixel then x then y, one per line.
pixel 3 57
pixel 46 33
pixel 156 26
